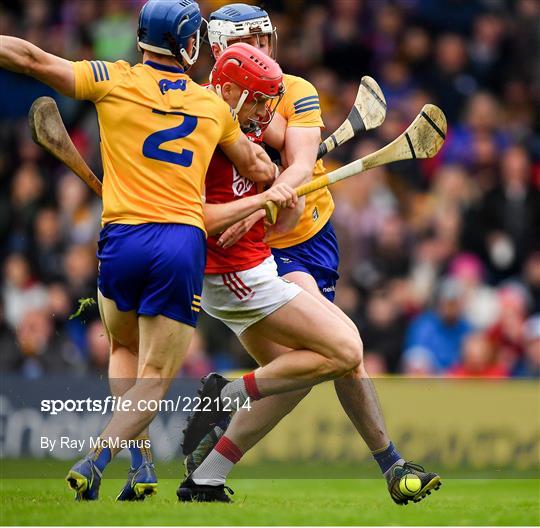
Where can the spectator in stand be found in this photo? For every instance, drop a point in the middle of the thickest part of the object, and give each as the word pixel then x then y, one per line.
pixel 9 353
pixel 483 118
pixel 507 333
pixel 79 211
pixel 48 246
pixel 389 253
pixel 478 359
pixel 41 352
pixel 529 366
pixel 21 292
pixel 531 279
pixel 26 195
pixel 114 32
pixel 434 339
pixel 449 77
pixel 510 215
pixel 481 305
pixel 487 50
pixel 383 331
pixel 80 270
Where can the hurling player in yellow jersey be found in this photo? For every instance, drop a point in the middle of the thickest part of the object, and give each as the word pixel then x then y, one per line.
pixel 307 255
pixel 158 133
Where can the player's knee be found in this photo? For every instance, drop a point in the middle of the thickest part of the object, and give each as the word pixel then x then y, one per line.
pixel 124 336
pixel 155 366
pixel 152 384
pixel 350 354
pixel 131 346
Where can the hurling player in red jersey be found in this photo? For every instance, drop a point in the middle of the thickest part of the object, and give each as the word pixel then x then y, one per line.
pixel 242 288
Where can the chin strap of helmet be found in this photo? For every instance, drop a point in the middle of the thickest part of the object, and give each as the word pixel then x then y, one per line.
pixel 181 55
pixel 241 101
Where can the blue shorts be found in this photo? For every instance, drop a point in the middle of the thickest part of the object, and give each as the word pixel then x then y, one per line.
pixel 154 269
pixel 318 257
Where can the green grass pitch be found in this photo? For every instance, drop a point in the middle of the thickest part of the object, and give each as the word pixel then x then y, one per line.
pixel 277 501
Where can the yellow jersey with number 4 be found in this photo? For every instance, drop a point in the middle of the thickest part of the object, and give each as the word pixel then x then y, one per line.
pixel 300 107
pixel 158 131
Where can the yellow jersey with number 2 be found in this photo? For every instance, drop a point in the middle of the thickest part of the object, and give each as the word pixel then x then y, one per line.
pixel 300 107
pixel 158 130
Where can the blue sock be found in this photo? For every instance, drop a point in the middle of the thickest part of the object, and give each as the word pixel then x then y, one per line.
pixel 102 457
pixel 386 458
pixel 136 457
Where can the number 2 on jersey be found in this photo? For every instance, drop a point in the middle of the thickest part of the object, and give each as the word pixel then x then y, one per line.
pixel 152 145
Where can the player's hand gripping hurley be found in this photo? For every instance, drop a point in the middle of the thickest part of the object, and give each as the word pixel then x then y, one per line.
pixel 423 139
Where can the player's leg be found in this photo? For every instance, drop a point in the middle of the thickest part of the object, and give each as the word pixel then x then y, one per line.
pixel 163 344
pixel 359 400
pixel 295 326
pixel 355 390
pixel 155 271
pixel 123 366
pixel 209 466
pixel 322 347
pixel 283 309
pixel 167 305
pixel 247 427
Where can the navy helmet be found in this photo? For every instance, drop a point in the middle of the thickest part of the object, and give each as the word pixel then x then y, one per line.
pixel 165 27
pixel 240 21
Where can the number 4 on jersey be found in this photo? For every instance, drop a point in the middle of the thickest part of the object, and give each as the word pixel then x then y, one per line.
pixel 152 145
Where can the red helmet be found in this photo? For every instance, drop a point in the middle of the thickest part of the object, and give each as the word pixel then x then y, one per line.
pixel 251 69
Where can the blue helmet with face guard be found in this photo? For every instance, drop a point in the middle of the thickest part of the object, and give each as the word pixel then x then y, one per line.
pixel 166 27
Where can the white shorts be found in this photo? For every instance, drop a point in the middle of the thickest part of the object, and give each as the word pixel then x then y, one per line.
pixel 241 299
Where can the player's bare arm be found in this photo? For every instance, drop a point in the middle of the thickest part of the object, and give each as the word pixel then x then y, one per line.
pixel 300 155
pixel 21 56
pixel 218 217
pixel 274 135
pixel 250 160
pixel 234 233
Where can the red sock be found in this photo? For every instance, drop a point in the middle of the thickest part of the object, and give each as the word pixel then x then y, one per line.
pixel 228 449
pixel 251 386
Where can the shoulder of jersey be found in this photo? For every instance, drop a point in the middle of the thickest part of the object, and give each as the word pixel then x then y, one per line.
pixel 122 66
pixel 289 80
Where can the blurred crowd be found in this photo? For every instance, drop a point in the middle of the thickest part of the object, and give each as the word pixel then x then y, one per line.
pixel 440 258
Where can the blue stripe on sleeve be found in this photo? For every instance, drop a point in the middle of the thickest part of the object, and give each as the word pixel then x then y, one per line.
pixel 305 99
pixel 106 70
pixel 307 103
pixel 101 77
pixel 309 108
pixel 95 71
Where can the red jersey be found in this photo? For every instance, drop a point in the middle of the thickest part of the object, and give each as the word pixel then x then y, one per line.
pixel 224 184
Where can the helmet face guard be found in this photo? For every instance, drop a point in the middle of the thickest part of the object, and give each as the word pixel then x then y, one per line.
pixel 166 28
pixel 258 76
pixel 226 40
pixel 190 60
pixel 271 104
pixel 238 22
